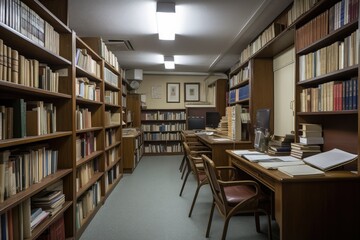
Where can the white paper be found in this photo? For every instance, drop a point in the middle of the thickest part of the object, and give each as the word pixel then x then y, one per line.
pixel 276 165
pixel 261 158
pixel 330 159
pixel 242 152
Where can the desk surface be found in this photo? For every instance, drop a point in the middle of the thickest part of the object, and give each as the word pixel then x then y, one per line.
pixel 218 139
pixel 312 207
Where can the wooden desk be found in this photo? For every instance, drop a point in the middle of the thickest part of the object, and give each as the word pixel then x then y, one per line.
pixel 325 207
pixel 218 148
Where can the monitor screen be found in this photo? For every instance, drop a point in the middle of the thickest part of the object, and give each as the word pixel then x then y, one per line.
pixel 263 119
pixel 212 119
pixel 196 123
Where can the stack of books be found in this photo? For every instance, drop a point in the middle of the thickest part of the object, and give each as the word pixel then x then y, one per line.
pixel 310 134
pixel 280 145
pixel 300 150
pixel 223 126
pixel 50 199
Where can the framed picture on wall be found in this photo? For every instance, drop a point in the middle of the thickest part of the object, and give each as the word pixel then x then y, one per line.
pixel 192 92
pixel 173 92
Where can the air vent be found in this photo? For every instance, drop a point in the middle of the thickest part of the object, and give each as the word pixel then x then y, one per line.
pixel 119 45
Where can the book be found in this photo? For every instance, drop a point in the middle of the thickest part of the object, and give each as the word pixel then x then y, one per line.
pixel 310 127
pixel 330 159
pixel 19 106
pixel 301 171
pixel 311 140
pixel 276 165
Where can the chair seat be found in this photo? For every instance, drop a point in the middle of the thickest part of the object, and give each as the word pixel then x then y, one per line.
pixel 236 194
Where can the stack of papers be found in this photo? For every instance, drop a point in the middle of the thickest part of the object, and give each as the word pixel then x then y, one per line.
pixel 301 171
pixel 276 165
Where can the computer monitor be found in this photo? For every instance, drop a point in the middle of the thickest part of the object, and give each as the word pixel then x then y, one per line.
pixel 262 119
pixel 196 123
pixel 212 119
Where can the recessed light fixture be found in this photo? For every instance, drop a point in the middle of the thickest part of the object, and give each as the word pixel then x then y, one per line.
pixel 169 62
pixel 165 12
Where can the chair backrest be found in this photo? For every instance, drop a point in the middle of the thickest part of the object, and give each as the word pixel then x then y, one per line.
pixel 213 176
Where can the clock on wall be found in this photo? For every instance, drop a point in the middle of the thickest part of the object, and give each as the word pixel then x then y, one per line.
pixel 134 85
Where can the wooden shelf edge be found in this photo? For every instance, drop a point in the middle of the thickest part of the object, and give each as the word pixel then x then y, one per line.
pixel 112 186
pixel 91 182
pixel 343 112
pixel 93 129
pixel 33 189
pixel 112 146
pixel 26 140
pixel 112 164
pixel 88 158
pixel 82 72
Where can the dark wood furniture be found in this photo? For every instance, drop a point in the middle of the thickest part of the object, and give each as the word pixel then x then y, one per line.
pixel 323 208
pixel 133 150
pixel 218 148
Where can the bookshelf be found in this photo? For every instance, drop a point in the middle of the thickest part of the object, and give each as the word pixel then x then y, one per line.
pixel 134 106
pixel 327 94
pixel 52 134
pixel 162 130
pixel 134 141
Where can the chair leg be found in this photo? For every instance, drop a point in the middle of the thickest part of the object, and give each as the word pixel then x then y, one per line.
pixel 269 227
pixel 183 185
pixel 182 164
pixel 183 171
pixel 257 222
pixel 226 224
pixel 210 219
pixel 194 200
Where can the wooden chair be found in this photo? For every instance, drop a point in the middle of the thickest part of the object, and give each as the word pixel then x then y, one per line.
pixel 193 144
pixel 235 197
pixel 195 166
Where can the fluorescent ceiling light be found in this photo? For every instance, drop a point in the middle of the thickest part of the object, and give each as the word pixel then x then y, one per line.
pixel 165 12
pixel 169 62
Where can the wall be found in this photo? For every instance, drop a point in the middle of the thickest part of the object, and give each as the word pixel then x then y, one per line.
pixel 159 82
pixel 284 91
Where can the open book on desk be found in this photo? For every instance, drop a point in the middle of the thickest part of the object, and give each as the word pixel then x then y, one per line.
pixel 268 158
pixel 330 159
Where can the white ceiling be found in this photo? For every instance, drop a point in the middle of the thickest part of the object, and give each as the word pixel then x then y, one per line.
pixel 209 37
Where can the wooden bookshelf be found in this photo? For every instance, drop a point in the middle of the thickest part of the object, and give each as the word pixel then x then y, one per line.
pixel 339 121
pixel 162 129
pixel 58 133
pixel 134 142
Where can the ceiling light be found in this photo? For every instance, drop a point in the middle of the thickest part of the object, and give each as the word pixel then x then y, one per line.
pixel 169 62
pixel 165 12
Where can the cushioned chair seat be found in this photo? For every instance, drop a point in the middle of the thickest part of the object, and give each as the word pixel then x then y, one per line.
pixel 237 194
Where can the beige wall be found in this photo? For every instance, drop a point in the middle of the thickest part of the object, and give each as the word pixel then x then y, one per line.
pixel 159 82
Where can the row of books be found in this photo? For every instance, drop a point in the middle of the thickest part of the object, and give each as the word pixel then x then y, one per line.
pixel 87 203
pixel 339 55
pixel 266 36
pixel 242 76
pixel 112 118
pixel 238 117
pixel 21 220
pixel 24 20
pixel 30 118
pixel 164 116
pixel 163 127
pixel 82 118
pixel 111 77
pixel 85 172
pixel 111 176
pixel 85 61
pixel 330 96
pixel 298 8
pixel 239 94
pixel 110 137
pixel 20 169
pixel 17 69
pixel 340 14
pixel 108 56
pixel 162 148
pixel 111 156
pixel 87 89
pixel 111 97
pixel 162 136
pixel 85 145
